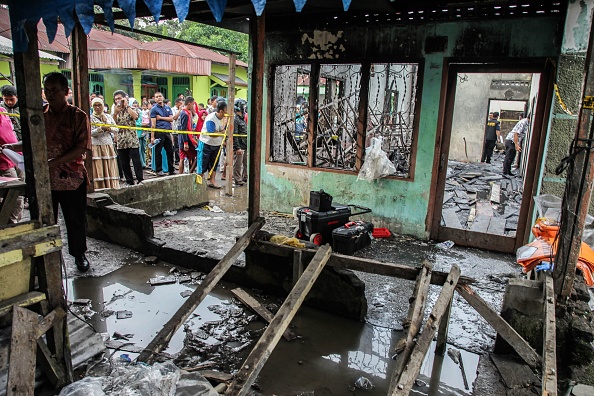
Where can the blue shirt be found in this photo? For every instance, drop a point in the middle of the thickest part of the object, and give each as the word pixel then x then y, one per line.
pixel 163 111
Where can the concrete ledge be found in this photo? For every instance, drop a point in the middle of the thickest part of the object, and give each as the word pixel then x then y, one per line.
pixel 118 224
pixel 156 196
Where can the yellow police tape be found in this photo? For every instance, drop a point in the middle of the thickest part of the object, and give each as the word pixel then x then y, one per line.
pixel 146 129
pixel 563 106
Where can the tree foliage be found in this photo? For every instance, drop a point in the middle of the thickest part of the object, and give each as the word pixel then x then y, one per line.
pixel 193 32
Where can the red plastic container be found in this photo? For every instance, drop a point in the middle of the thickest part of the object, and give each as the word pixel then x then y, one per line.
pixel 381 233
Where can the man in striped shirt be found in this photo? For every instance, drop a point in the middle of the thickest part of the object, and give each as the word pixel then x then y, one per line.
pixel 512 143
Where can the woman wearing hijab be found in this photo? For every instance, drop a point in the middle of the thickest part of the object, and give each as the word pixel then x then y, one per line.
pixel 105 165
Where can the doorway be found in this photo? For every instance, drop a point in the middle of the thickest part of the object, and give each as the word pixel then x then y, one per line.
pixel 474 203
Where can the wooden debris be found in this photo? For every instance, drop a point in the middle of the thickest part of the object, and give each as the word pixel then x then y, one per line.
pixel 258 308
pixel 411 370
pixel 413 321
pixel 480 224
pixel 23 346
pixel 503 328
pixel 162 339
pixel 496 226
pixel 549 353
pixel 255 361
pixel 216 376
pixel 495 193
pixel 163 280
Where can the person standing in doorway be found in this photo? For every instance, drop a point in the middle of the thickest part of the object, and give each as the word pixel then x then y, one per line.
pixel 512 144
pixel 161 118
pixel 68 140
pixel 491 137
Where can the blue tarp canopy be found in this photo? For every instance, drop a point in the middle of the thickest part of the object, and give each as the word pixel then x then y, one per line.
pixel 67 11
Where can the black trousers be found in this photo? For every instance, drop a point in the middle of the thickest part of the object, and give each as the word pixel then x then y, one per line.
pixel 74 208
pixel 488 151
pixel 510 155
pixel 168 145
pixel 125 155
pixel 175 147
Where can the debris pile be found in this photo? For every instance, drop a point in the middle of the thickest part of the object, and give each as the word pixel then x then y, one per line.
pixel 479 198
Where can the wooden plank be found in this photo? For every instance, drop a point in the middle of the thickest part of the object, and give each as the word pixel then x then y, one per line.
pixel 578 188
pixel 515 375
pixel 362 113
pixel 216 376
pixel 80 86
pixel 231 112
pixel 258 308
pixel 49 321
pixel 447 196
pixel 526 352
pixel 450 218
pixel 480 223
pixel 495 193
pixel 162 339
pixel 28 84
pixel 23 345
pixel 414 320
pixel 257 34
pixel 255 361
pixel 549 353
pixel 20 228
pixel 358 264
pixel 49 365
pixel 496 226
pixel 442 332
pixel 413 366
pixel 297 265
pixel 26 240
pixel 23 300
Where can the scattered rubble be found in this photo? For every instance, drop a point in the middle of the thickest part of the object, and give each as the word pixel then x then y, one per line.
pixel 479 198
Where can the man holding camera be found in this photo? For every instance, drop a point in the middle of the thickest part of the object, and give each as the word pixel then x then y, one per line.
pixel 126 139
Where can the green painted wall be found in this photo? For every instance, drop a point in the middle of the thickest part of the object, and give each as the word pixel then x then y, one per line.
pixel 200 88
pixel 5 70
pixel 137 84
pixel 240 71
pixel 401 205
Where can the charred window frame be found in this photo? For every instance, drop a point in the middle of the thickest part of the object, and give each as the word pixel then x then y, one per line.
pixel 354 103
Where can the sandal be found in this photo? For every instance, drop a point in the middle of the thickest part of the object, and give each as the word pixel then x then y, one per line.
pixel 215 186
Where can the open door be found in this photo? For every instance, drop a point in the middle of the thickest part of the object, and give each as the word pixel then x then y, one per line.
pixel 474 203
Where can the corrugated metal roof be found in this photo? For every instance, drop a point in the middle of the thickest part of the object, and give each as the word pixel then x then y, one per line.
pixel 6 49
pixel 192 51
pixel 225 78
pixel 60 44
pixel 101 39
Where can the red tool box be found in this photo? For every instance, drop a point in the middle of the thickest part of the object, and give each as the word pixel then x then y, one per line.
pixel 316 227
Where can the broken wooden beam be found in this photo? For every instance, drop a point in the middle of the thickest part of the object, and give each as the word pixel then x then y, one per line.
pixel 413 321
pixel 408 376
pixel 357 263
pixel 161 340
pixel 255 361
pixel 258 308
pixel 23 346
pixel 549 352
pixel 504 329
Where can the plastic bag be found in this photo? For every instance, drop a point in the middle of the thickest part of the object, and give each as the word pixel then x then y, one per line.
pixel 377 164
pixel 549 208
pixel 364 383
pixel 88 386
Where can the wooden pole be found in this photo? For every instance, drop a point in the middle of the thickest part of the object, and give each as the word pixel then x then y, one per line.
pixel 578 187
pixel 413 366
pixel 312 114
pixel 231 112
pixel 161 340
pixel 28 82
pixel 257 36
pixel 80 84
pixel 442 332
pixel 362 115
pixel 549 350
pixel 255 361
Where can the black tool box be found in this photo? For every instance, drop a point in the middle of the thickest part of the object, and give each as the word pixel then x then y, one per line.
pixel 316 226
pixel 320 201
pixel 352 236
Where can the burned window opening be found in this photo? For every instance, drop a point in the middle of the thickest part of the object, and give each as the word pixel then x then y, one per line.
pixel 336 96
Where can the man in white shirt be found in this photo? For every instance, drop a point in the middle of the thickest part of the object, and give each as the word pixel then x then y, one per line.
pixel 512 144
pixel 209 146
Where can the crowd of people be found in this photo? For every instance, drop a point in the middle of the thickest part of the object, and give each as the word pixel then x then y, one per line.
pixel 119 145
pixel 185 152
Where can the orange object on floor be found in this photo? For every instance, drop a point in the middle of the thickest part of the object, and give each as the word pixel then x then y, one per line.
pixel 381 233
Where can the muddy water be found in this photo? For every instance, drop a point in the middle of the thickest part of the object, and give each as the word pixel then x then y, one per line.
pixel 330 356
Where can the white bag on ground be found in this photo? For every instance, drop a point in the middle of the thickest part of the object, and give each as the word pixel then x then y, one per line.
pixel 377 164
